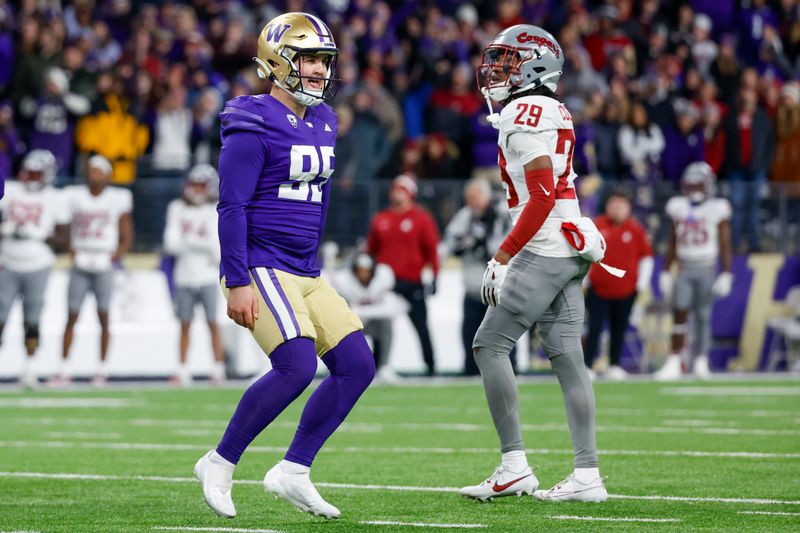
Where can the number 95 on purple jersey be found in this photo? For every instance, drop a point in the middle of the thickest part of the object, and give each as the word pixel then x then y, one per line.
pixel 274 177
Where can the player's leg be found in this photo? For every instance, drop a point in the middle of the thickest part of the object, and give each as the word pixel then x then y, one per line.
pixel 414 293
pixel 102 285
pixel 474 311
pixel 9 288
pixel 184 309
pixel 681 300
pixel 702 304
pixel 207 297
pixel 561 329
pixel 283 331
pixel 618 320
pixel 344 350
pixel 77 289
pixel 598 312
pixel 32 287
pixel 531 285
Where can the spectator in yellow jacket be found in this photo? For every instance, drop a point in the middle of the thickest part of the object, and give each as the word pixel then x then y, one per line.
pixel 113 132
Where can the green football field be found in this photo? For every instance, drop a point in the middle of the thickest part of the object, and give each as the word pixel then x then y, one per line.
pixel 723 456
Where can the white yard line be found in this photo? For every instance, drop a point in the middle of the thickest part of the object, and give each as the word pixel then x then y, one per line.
pixel 67 403
pixel 613 519
pixel 214 529
pixel 769 513
pixel 389 449
pixel 82 435
pixel 421 524
pixel 399 488
pixel 730 391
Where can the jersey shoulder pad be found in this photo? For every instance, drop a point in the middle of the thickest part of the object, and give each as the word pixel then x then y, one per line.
pixel 532 114
pixel 722 208
pixel 242 114
pixel 677 207
pixel 123 199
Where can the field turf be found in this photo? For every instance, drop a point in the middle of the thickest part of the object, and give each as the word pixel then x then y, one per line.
pixel 723 456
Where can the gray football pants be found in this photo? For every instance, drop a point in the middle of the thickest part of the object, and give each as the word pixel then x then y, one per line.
pixel 30 286
pixel 692 293
pixel 547 291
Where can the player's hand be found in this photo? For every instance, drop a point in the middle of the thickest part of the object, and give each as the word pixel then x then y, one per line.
pixel 243 306
pixel 665 284
pixel 493 279
pixel 722 286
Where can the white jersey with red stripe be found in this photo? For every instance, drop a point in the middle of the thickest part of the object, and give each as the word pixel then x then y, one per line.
pixel 546 128
pixel 29 217
pixel 697 228
pixel 94 230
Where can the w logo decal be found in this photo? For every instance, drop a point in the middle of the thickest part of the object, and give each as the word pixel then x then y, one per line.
pixel 276 31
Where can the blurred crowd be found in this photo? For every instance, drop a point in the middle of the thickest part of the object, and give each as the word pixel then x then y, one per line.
pixel 142 83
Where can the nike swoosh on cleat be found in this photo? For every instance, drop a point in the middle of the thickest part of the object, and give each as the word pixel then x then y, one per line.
pixel 545 190
pixel 504 486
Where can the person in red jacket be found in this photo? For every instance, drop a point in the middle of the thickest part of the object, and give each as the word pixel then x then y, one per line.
pixel 405 237
pixel 627 247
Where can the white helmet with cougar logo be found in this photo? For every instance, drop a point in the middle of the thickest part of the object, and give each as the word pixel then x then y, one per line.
pixel 202 184
pixel 520 58
pixel 40 168
pixel 698 181
pixel 282 43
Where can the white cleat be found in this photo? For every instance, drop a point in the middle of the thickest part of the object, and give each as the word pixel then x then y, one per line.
pixel 59 381
pixel 572 490
pixel 29 380
pixel 298 490
pixel 615 373
pixel 503 482
pixel 99 381
pixel 700 367
pixel 217 482
pixel 671 371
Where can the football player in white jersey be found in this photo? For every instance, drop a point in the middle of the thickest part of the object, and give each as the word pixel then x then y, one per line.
pixel 101 232
pixel 33 220
pixel 191 236
pixel 535 275
pixel 701 236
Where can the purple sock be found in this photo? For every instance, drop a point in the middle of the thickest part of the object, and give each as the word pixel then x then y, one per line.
pixel 352 368
pixel 294 364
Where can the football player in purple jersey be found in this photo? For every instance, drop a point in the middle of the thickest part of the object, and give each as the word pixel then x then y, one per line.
pixel 277 157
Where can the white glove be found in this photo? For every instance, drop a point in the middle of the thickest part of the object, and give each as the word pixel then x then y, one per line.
pixel 493 279
pixel 587 240
pixel 665 284
pixel 722 285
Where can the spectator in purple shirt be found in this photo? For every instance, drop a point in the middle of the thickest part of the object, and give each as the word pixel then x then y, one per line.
pixel 11 145
pixel 683 141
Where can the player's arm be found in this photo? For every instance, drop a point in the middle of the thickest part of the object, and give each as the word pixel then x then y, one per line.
pixel 672 244
pixel 241 162
pixel 172 232
pixel 431 245
pixel 59 239
pixel 725 246
pixel 539 181
pixel 125 236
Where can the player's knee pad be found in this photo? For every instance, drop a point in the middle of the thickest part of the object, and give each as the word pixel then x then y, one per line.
pixel 31 337
pixel 560 337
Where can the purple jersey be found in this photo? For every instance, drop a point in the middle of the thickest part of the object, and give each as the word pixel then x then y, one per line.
pixel 273 196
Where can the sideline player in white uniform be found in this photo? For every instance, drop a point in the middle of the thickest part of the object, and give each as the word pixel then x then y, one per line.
pixel 701 236
pixel 101 232
pixel 191 236
pixel 535 276
pixel 33 220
